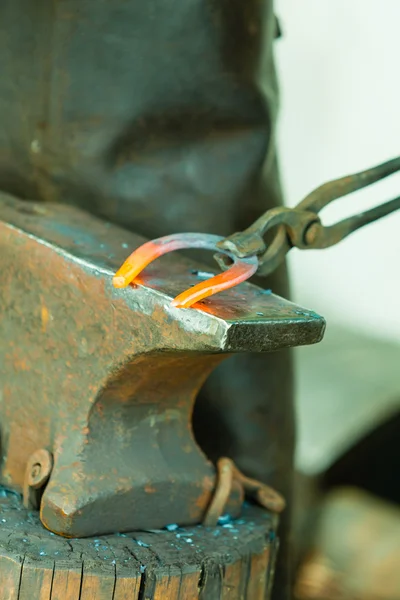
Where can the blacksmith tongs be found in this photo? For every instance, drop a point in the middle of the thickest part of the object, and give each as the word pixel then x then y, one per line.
pixel 243 254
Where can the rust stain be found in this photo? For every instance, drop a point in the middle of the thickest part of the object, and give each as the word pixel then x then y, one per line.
pixel 44 313
pixel 21 365
pixel 202 501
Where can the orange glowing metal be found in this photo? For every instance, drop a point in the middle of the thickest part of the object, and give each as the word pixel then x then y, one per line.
pixel 241 269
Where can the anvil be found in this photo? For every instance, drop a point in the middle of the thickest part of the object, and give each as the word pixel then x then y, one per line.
pixel 104 380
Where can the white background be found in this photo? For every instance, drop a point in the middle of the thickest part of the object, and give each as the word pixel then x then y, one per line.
pixel 339 68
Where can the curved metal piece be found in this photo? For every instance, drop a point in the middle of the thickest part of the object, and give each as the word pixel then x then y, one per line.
pixel 221 493
pixel 228 477
pixel 241 270
pixel 38 470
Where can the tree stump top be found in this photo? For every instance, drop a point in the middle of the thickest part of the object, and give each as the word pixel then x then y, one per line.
pixel 232 561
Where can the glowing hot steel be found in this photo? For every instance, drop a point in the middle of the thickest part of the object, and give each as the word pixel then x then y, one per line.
pixel 241 269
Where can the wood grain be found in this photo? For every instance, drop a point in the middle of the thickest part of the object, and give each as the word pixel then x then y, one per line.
pixel 229 562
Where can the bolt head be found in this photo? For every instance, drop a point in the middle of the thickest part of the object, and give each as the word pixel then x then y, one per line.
pixel 36 472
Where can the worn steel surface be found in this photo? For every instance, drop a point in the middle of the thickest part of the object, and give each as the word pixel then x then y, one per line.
pixel 106 379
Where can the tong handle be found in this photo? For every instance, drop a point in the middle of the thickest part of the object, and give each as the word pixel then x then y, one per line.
pixel 301 227
pixel 317 236
pixel 332 190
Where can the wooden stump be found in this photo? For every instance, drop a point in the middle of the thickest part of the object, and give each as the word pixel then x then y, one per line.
pixel 232 561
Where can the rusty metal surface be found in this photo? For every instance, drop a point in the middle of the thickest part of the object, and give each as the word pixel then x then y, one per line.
pixel 229 476
pixel 106 379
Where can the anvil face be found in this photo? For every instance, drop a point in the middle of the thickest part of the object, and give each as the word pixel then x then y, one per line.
pixel 106 379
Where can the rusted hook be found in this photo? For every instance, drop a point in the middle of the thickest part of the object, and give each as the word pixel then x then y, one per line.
pixel 38 471
pixel 228 476
pixel 241 269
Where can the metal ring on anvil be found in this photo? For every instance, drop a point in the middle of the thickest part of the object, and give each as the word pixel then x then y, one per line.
pixel 241 269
